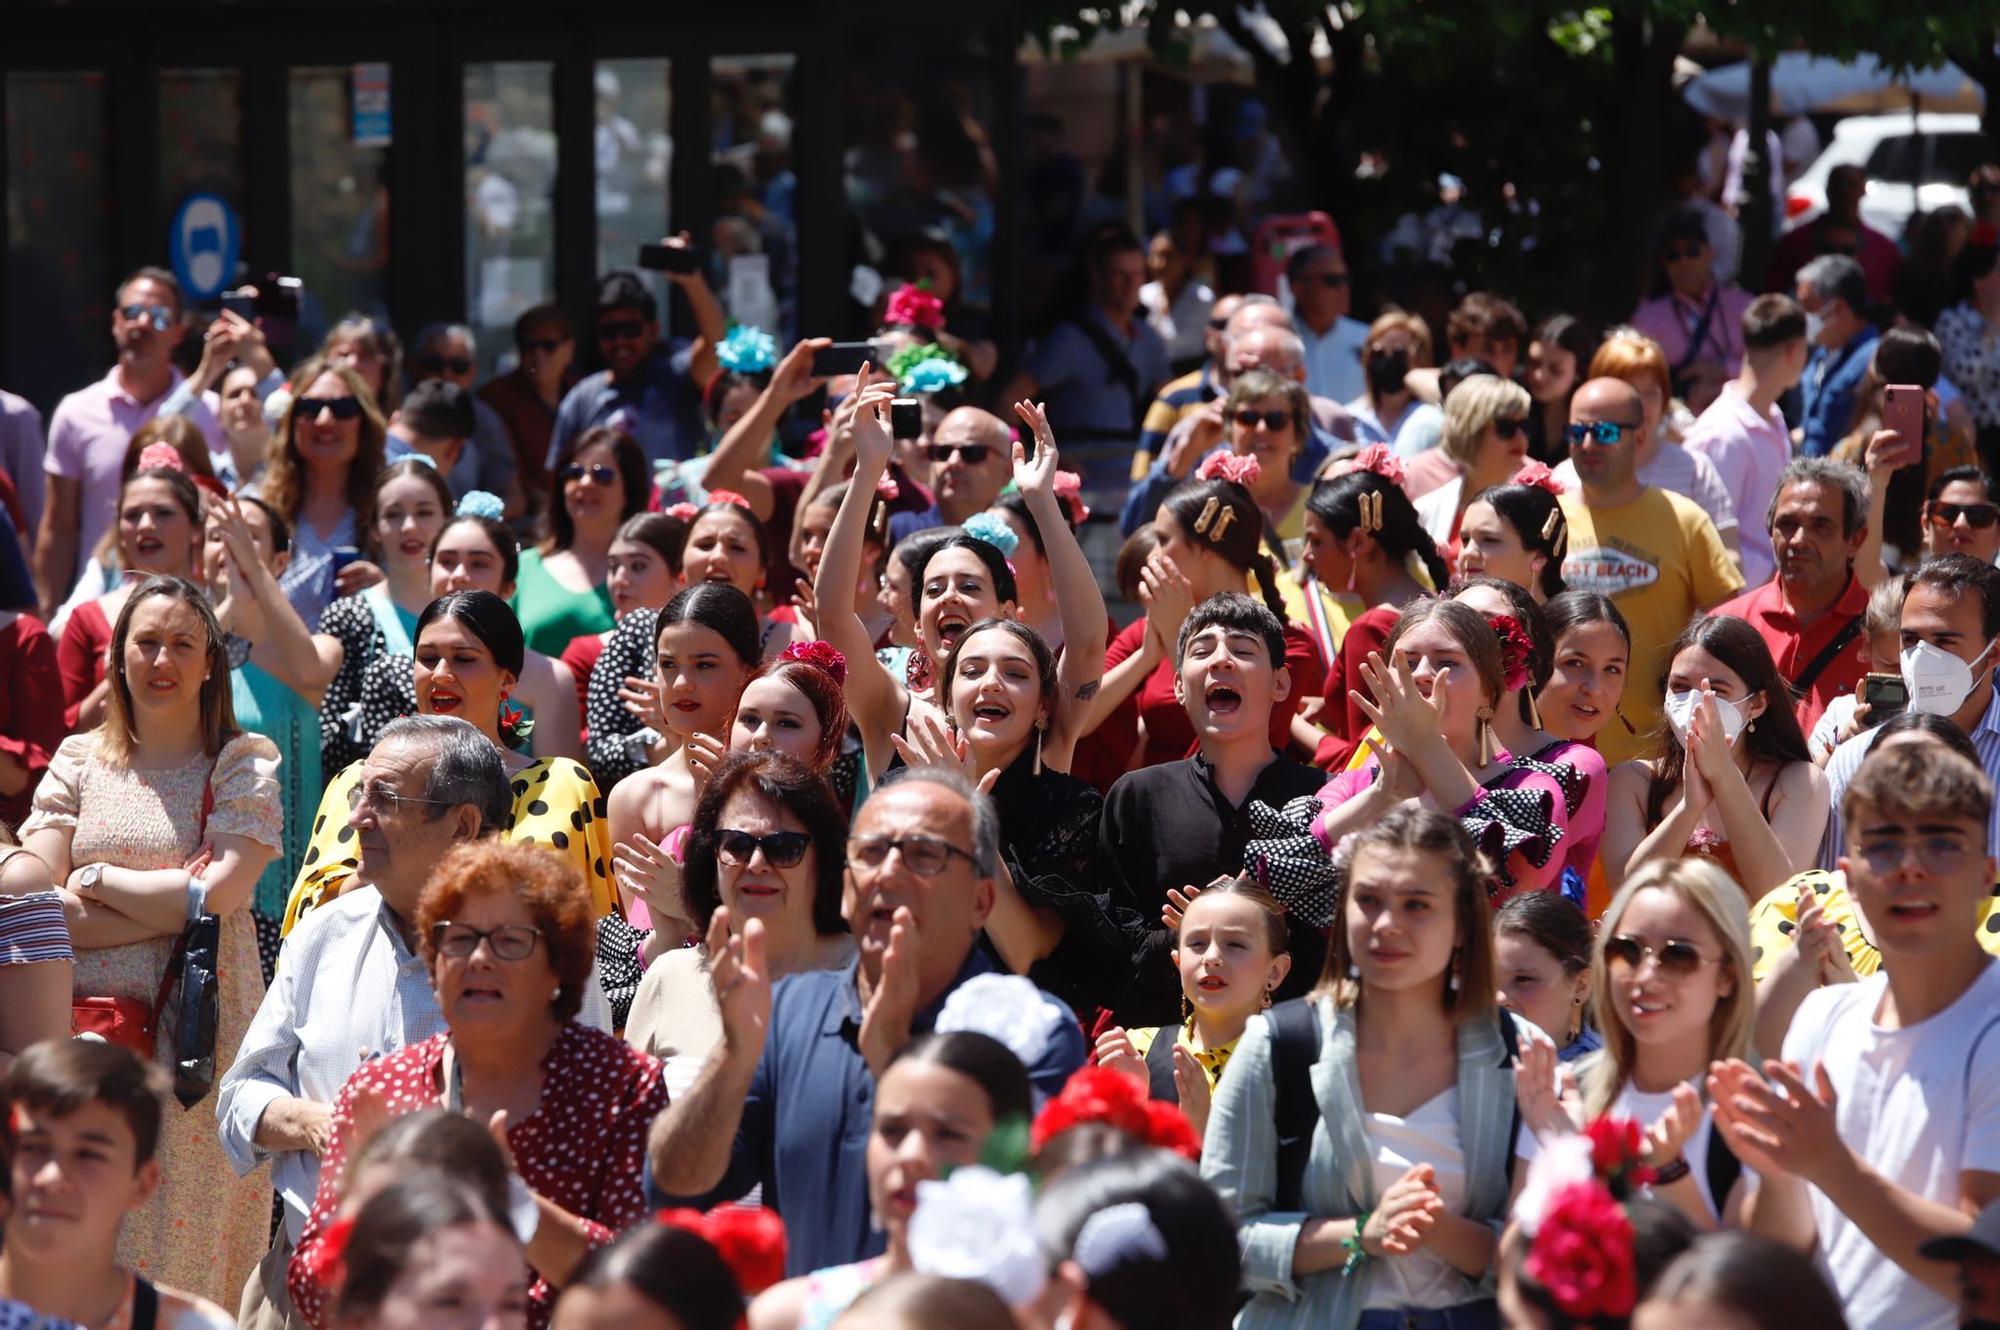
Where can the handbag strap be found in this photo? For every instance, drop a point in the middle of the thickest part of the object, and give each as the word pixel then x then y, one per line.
pixel 1817 665
pixel 196 906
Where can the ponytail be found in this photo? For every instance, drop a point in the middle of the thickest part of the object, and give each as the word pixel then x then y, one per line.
pixel 1265 570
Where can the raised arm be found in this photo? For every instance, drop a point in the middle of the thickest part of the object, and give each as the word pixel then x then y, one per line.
pixel 743 444
pixel 876 700
pixel 1079 602
pixel 301 659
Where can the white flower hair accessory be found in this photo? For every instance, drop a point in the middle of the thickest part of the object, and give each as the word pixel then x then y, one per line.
pixel 980 1225
pixel 1561 1161
pixel 1006 1007
pixel 1116 1236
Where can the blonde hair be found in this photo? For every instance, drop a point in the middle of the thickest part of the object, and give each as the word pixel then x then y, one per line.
pixel 1474 404
pixel 1720 902
pixel 1391 320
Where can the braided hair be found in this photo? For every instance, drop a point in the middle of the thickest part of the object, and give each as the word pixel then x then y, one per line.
pixel 1220 515
pixel 1337 505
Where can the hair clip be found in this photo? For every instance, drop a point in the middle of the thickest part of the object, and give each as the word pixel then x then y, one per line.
pixel 1207 515
pixel 1377 460
pixel 1370 504
pixel 1222 521
pixel 480 503
pixel 822 655
pixel 747 350
pixel 1243 470
pixel 1552 524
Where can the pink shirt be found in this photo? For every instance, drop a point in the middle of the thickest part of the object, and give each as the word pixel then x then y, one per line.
pixel 1672 319
pixel 87 438
pixel 1749 452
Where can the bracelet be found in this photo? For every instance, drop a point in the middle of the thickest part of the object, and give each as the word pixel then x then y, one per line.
pixel 1357 1255
pixel 1668 1174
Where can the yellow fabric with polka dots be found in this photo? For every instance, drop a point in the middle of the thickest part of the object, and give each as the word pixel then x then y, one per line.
pixel 1774 919
pixel 556 804
pixel 1211 1060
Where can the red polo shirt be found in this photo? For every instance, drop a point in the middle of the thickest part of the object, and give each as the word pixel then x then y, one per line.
pixel 1794 648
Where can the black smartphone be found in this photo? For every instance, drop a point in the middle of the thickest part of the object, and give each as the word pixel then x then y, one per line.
pixel 671 258
pixel 906 418
pixel 278 296
pixel 241 302
pixel 1885 695
pixel 840 358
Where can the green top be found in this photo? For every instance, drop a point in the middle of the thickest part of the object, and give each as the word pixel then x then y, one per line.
pixel 552 616
pixel 266 706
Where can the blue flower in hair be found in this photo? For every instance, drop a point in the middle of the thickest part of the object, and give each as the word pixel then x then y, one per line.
pixel 480 503
pixel 747 350
pixel 933 375
pixel 987 527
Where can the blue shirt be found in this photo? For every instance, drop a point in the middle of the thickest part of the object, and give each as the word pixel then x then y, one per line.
pixel 1149 491
pixel 1828 390
pixel 905 525
pixel 661 408
pixel 1076 381
pixel 811 1105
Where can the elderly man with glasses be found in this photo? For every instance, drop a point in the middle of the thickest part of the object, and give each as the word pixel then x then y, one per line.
pixel 351 982
pixel 788 1097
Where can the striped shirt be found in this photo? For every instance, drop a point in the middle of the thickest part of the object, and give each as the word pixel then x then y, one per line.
pixel 32 929
pixel 1846 760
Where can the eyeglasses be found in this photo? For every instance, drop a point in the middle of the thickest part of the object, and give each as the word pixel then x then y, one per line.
pixel 1690 249
pixel 624 330
pixel 546 345
pixel 343 408
pixel 436 364
pixel 509 942
pixel 926 856
pixel 972 454
pixel 1332 281
pixel 158 315
pixel 1604 432
pixel 1675 956
pixel 602 474
pixel 1934 854
pixel 1218 325
pixel 383 797
pixel 1508 426
pixel 1270 420
pixel 1978 516
pixel 782 849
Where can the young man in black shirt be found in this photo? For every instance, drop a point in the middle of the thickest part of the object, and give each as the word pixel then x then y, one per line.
pixel 1180 825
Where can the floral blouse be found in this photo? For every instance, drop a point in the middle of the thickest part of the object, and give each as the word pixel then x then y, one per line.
pixel 583 1148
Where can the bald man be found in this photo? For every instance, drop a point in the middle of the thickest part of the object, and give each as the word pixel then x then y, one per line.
pixel 971 457
pixel 1655 553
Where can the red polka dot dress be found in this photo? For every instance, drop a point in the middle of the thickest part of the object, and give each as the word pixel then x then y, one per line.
pixel 583 1148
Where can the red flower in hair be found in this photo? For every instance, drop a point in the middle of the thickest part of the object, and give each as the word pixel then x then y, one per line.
pixel 823 654
pixel 750 1240
pixel 1242 470
pixel 1582 1254
pixel 1378 460
pixel 913 307
pixel 730 497
pixel 1515 649
pixel 1618 1153
pixel 1536 475
pixel 886 488
pixel 161 457
pixel 1099 1094
pixel 328 1264
pixel 1069 493
pixel 685 512
pixel 1984 234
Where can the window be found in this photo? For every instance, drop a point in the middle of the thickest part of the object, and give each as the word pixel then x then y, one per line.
pixel 201 138
pixel 340 201
pixel 634 151
pixel 756 233
pixel 510 176
pixel 58 235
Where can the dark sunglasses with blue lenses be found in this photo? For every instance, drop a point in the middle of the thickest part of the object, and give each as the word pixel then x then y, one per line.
pixel 1604 433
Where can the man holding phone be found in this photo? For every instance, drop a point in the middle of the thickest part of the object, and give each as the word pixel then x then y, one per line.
pixel 650 389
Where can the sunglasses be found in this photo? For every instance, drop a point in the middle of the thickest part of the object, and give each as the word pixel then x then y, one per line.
pixel 1978 516
pixel 432 364
pixel 158 315
pixel 509 942
pixel 625 330
pixel 782 849
pixel 925 856
pixel 602 474
pixel 1270 420
pixel 545 345
pixel 1675 956
pixel 1603 432
pixel 1218 325
pixel 1332 281
pixel 1508 426
pixel 343 408
pixel 972 454
pixel 1688 250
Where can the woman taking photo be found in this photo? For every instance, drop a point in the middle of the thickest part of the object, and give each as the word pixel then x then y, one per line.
pixel 939 1099
pixel 159 535
pixel 1484 443
pixel 1734 781
pixel 966 579
pixel 468 663
pixel 1516 532
pixel 165 796
pixel 1363 542
pixel 1593 651
pixel 1394 1205
pixel 322 472
pixel 601 482
pixel 407 507
pixel 767 842
pixel 506 931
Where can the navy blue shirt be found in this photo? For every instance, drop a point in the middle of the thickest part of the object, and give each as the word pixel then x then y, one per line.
pixel 661 408
pixel 804 1134
pixel 1828 391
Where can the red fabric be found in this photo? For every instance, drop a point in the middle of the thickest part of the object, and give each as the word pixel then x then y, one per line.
pixel 583 1148
pixel 581 656
pixel 1879 258
pixel 1346 722
pixel 1169 733
pixel 530 423
pixel 12 498
pixel 80 656
pixel 31 706
pixel 1765 610
pixel 787 484
pixel 1105 754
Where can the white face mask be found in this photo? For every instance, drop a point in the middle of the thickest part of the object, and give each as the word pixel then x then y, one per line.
pixel 1939 682
pixel 1680 713
pixel 1815 325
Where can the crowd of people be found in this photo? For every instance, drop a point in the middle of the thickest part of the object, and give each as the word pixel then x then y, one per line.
pixel 1509 838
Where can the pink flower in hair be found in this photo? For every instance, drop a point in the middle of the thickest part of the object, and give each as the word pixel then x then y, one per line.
pixel 161 457
pixel 913 307
pixel 730 497
pixel 886 488
pixel 1377 459
pixel 1536 475
pixel 684 511
pixel 823 654
pixel 1069 493
pixel 1242 470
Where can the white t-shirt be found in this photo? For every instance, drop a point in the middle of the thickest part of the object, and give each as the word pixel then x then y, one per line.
pixel 1647 1107
pixel 1921 1106
pixel 1429 1135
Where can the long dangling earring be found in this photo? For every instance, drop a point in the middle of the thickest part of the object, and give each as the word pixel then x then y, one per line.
pixel 1040 726
pixel 1575 1020
pixel 1488 747
pixel 1187 1010
pixel 1534 712
pixel 1451 975
pixel 1267 997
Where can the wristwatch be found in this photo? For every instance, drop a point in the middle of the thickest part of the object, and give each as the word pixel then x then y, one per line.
pixel 88 878
pixel 1671 1173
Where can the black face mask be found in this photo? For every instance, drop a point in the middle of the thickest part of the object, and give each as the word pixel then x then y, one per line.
pixel 1385 372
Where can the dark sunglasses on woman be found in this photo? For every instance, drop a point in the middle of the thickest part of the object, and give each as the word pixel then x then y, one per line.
pixel 782 849
pixel 1271 420
pixel 343 408
pixel 1676 956
pixel 1978 516
pixel 602 474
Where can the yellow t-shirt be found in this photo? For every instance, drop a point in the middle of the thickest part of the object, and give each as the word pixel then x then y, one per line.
pixel 556 804
pixel 1774 921
pixel 1660 561
pixel 1212 1060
